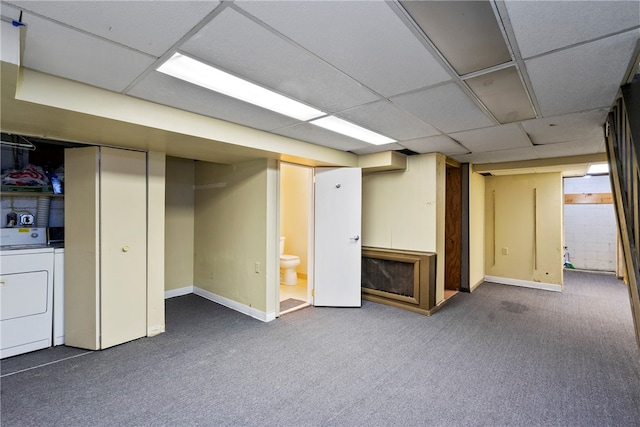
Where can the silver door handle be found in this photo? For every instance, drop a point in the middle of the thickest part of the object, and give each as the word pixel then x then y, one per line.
pixel 356 238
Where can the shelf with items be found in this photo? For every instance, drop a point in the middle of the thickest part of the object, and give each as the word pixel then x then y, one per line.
pixel 27 194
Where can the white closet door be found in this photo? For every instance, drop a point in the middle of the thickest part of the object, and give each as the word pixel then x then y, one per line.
pixel 123 228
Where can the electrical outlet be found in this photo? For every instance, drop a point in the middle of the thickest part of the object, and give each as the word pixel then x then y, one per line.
pixel 211 275
pixel 257 267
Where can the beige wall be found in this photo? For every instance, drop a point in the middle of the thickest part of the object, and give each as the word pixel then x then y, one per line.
pixel 295 182
pixel 156 179
pixel 405 210
pixel 179 223
pixel 232 221
pixel 526 223
pixel 476 229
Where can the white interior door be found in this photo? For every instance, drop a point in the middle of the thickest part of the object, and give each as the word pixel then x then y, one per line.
pixel 338 213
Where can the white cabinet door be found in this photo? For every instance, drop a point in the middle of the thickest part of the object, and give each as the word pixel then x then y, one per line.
pixel 123 245
pixel 338 213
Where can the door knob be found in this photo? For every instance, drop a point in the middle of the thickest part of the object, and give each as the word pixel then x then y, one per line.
pixel 356 238
pixel 125 249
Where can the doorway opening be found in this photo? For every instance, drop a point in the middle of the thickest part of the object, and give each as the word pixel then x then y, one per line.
pixel 590 231
pixel 296 237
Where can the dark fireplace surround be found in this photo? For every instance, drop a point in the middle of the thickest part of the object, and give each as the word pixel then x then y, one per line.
pixel 403 279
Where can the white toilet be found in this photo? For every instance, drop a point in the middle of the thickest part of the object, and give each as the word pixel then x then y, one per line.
pixel 288 264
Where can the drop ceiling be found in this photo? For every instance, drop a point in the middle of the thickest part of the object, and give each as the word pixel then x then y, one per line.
pixel 479 81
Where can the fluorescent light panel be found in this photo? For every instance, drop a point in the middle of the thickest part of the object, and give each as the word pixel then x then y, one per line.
pixel 188 69
pixel 344 127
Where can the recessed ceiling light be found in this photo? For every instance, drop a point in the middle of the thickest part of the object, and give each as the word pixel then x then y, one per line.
pixel 344 127
pixel 598 169
pixel 188 69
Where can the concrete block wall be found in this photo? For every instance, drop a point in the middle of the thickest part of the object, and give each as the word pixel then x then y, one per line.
pixel 590 230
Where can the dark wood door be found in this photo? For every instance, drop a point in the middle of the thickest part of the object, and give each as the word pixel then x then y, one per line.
pixel 453 229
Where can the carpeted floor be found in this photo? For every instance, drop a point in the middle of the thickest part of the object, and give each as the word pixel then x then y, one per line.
pixel 501 356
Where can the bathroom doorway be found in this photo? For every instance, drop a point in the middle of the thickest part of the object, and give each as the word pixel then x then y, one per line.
pixel 296 232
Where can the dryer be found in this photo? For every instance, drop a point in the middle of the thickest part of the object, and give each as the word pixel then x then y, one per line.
pixel 26 298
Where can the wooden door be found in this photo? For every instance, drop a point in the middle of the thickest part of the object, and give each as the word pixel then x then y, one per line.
pixel 453 229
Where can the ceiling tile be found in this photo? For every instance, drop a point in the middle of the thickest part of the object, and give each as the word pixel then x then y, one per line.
pixel 503 93
pixel 465 32
pixel 493 138
pixel 163 89
pixel 61 51
pixel 385 118
pixel 242 47
pixel 572 148
pixel 366 40
pixel 445 107
pixel 542 26
pixel 569 127
pixel 581 78
pixel 512 155
pixel 435 144
pixel 127 22
pixel 319 136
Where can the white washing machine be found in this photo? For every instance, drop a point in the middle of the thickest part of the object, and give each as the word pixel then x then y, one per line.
pixel 26 297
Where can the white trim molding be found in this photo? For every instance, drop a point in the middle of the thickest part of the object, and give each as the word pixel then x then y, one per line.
pixel 524 283
pixel 178 292
pixel 234 305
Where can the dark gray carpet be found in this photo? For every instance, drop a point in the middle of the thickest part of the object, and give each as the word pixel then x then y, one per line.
pixel 290 303
pixel 501 356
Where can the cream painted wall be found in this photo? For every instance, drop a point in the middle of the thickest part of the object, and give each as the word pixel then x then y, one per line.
pixel 405 210
pixel 512 227
pixel 232 222
pixel 295 182
pixel 179 223
pixel 156 179
pixel 476 229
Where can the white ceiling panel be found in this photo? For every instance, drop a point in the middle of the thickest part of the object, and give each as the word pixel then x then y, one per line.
pixel 569 127
pixel 385 118
pixel 503 93
pixel 572 148
pixel 542 26
pixel 445 107
pixel 239 45
pixel 10 12
pixel 584 77
pixel 366 40
pixel 435 144
pixel 61 51
pixel 163 89
pixel 320 136
pixel 465 32
pixel 493 138
pixel 126 22
pixel 512 155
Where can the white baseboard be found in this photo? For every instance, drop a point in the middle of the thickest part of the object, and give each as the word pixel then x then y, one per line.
pixel 234 305
pixel 178 292
pixel 524 283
